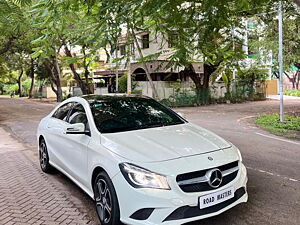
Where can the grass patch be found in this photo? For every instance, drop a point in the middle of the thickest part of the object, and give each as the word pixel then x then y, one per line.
pixel 290 128
pixel 292 92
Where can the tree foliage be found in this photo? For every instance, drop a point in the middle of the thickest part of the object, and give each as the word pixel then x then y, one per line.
pixel 267 41
pixel 209 30
pixel 58 34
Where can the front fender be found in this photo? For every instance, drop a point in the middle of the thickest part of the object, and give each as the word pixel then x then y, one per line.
pixel 99 156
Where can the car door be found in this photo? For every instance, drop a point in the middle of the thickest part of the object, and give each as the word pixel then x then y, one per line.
pixel 55 134
pixel 76 145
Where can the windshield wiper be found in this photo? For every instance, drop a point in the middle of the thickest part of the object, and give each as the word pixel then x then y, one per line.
pixel 160 125
pixel 140 127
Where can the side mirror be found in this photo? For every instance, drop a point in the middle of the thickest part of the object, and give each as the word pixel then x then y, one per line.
pixel 181 115
pixel 77 128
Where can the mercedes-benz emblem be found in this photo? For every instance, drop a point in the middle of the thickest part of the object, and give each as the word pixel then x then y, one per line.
pixel 214 177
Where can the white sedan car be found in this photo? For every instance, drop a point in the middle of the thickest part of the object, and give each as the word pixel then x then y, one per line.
pixel 142 163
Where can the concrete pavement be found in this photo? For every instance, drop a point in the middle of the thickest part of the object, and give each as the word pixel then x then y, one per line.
pixel 29 196
pixel 273 162
pixel 285 97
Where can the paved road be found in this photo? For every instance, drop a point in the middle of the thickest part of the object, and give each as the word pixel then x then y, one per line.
pixel 28 196
pixel 273 162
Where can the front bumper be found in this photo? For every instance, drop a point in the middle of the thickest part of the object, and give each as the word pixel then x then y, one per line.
pixel 173 207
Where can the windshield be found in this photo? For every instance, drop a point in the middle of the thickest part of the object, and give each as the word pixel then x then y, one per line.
pixel 131 113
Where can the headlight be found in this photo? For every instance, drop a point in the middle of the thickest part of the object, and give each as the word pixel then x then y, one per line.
pixel 142 178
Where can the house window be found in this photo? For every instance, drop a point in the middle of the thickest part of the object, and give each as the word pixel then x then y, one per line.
pixel 252 49
pixel 122 49
pixel 171 39
pixel 145 41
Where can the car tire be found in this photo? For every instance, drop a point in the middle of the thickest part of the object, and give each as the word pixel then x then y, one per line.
pixel 44 157
pixel 106 200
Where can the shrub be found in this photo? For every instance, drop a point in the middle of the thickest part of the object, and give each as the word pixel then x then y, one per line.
pixel 189 99
pixel 123 84
pixel 8 88
pixel 292 92
pixel 25 87
pixel 246 79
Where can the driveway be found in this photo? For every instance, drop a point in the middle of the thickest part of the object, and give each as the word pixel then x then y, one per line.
pixel 273 162
pixel 285 97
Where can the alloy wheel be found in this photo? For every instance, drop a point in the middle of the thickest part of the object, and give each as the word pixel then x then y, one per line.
pixel 43 155
pixel 103 201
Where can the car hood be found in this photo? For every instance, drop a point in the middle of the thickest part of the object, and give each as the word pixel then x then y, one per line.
pixel 163 143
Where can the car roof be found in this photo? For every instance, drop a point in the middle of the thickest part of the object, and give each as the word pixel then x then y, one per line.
pixel 92 98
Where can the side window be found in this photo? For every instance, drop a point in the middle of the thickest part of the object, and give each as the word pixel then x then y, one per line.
pixel 145 41
pixel 62 112
pixel 78 115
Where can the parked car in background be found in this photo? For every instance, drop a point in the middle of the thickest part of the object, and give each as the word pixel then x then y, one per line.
pixel 141 162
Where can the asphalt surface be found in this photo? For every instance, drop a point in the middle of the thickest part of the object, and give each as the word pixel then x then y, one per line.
pixel 273 162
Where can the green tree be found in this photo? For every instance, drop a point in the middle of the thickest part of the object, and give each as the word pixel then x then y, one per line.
pixel 204 29
pixel 211 30
pixel 207 30
pixel 267 40
pixel 11 17
pixel 15 36
pixel 66 25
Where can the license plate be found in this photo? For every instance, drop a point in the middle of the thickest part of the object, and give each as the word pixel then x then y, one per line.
pixel 216 198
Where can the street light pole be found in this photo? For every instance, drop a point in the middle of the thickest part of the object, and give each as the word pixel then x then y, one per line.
pixel 117 69
pixel 280 58
pixel 129 79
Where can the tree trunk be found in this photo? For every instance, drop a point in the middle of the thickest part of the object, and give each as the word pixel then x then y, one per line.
pixel 201 80
pixel 298 80
pixel 20 82
pixel 86 71
pixel 76 75
pixel 292 79
pixel 54 77
pixel 59 94
pixel 208 71
pixel 86 76
pixel 155 95
pixel 196 78
pixel 32 79
pixel 294 85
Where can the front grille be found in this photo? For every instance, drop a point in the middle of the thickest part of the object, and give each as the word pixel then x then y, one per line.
pixel 204 186
pixel 194 211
